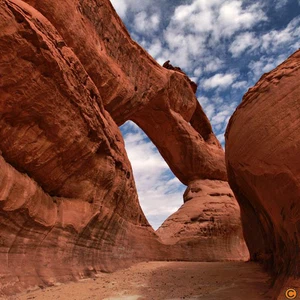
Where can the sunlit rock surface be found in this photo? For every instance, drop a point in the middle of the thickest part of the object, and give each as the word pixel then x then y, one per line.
pixel 207 224
pixel 262 154
pixel 70 74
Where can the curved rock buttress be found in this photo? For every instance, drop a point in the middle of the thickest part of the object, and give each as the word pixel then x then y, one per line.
pixel 68 201
pixel 207 227
pixel 262 155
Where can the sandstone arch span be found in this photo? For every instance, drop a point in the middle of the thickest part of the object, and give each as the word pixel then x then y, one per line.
pixel 70 74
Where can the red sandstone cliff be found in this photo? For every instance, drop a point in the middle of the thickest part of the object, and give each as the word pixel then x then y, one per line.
pixel 70 74
pixel 262 154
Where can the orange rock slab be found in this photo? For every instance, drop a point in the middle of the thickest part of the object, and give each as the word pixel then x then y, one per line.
pixel 262 156
pixel 208 224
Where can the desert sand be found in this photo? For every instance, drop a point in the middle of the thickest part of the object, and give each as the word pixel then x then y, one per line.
pixel 165 280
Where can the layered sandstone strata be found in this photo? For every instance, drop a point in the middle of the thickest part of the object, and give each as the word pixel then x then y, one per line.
pixel 70 74
pixel 69 204
pixel 208 224
pixel 262 154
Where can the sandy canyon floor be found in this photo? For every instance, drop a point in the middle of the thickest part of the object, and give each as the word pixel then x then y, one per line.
pixel 166 280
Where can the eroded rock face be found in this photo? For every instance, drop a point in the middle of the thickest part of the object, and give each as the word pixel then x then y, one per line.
pixel 134 87
pixel 207 224
pixel 70 74
pixel 262 154
pixel 68 200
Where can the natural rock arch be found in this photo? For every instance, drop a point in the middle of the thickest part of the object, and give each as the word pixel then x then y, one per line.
pixel 68 205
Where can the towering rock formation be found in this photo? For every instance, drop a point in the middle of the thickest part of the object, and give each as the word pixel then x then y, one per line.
pixel 262 154
pixel 69 74
pixel 161 101
pixel 68 200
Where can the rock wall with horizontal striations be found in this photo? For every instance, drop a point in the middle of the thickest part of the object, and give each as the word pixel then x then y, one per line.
pixel 69 75
pixel 208 224
pixel 262 155
pixel 68 199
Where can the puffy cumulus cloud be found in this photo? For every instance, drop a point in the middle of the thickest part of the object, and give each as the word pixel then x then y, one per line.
pixel 221 81
pixel 197 16
pixel 272 47
pixel 216 17
pixel 197 72
pixel 146 23
pixel 287 37
pixel 183 48
pixel 120 7
pixel 242 42
pixel 195 29
pixel 160 192
pixel 213 65
pixel 240 85
pixel 264 65
pixel 143 11
pixel 233 17
pixel 155 48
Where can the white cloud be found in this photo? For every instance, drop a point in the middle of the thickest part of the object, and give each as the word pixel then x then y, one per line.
pixel 208 106
pixel 209 110
pixel 243 41
pixel 264 65
pixel 240 85
pixel 197 72
pixel 221 139
pixel 287 37
pixel 120 7
pixel 155 48
pixel 217 16
pixel 233 17
pixel 280 4
pixel 145 23
pixel 196 27
pixel 221 118
pixel 219 113
pixel 131 5
pixel 214 65
pixel 221 81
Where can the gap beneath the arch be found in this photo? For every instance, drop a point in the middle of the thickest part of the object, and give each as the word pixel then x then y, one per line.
pixel 160 192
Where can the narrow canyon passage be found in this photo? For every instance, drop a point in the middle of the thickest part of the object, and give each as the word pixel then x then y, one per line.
pixel 166 280
pixel 69 206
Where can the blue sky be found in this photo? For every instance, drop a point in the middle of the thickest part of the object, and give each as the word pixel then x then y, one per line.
pixel 223 45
